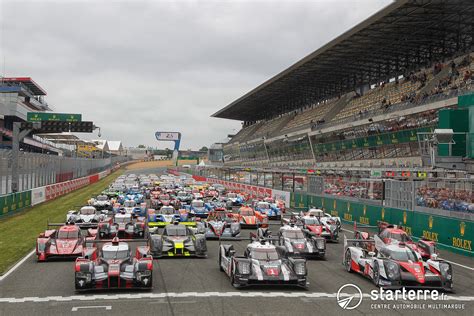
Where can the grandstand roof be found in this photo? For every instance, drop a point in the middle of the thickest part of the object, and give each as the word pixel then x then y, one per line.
pixel 64 138
pixel 28 82
pixel 406 35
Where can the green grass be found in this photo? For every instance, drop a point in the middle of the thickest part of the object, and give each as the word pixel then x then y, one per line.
pixel 18 233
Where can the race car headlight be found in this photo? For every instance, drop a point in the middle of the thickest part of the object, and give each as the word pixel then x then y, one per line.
pixel 85 276
pixel 244 267
pixel 113 228
pixel 445 270
pixel 393 271
pixel 320 243
pixel 143 274
pixel 300 268
pixel 130 228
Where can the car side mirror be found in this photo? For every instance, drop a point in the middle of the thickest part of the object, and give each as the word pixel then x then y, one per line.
pixel 371 253
pixel 231 253
pixel 434 256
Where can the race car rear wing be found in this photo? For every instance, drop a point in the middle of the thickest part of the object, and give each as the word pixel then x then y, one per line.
pixel 80 225
pixel 290 217
pixel 356 242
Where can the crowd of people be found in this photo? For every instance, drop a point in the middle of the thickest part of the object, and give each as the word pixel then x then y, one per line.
pixel 446 199
pixel 358 189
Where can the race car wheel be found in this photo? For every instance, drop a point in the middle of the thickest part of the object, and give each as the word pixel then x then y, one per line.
pixel 234 283
pixel 376 278
pixel 220 261
pixel 347 261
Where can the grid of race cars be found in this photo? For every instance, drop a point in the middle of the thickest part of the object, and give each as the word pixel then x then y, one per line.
pixel 173 216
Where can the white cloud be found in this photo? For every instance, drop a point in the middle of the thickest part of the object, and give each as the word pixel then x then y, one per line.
pixel 135 67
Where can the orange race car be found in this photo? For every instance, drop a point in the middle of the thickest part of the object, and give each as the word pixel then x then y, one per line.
pixel 249 218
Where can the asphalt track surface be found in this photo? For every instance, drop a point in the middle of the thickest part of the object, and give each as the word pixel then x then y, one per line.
pixel 184 286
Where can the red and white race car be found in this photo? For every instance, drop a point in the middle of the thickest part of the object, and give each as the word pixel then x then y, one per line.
pixel 64 242
pixel 393 234
pixel 396 265
pixel 113 266
pixel 316 222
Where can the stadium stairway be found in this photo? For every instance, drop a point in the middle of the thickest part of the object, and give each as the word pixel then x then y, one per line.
pixel 338 106
pixel 282 124
pixel 430 85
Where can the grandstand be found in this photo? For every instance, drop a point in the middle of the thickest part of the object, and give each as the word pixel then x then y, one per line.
pixel 363 99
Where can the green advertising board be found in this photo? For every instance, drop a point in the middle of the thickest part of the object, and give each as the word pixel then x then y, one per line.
pixel 450 233
pixel 14 202
pixel 44 116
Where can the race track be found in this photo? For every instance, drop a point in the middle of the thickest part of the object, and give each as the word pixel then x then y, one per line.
pixel 185 286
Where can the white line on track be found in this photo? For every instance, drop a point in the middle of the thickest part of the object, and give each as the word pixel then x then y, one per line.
pixel 458 264
pixel 190 294
pixel 106 307
pixel 18 264
pixel 452 262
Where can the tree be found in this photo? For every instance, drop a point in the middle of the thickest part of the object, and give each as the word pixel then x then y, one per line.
pixel 203 148
pixel 141 146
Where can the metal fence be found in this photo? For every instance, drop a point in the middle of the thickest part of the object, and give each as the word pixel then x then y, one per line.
pixel 36 170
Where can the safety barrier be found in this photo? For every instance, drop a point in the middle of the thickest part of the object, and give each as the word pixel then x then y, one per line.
pixel 15 202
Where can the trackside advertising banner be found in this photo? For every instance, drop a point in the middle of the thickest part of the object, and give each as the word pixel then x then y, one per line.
pixel 282 195
pixel 38 195
pixel 15 202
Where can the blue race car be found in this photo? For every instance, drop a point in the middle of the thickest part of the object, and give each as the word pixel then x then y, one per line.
pixel 197 208
pixel 168 215
pixel 234 199
pixel 271 210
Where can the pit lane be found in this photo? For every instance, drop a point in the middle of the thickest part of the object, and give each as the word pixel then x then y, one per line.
pixel 51 285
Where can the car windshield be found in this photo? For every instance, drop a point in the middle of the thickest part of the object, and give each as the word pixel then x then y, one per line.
pixel 129 203
pixel 87 211
pixel 198 203
pixel 263 205
pixel 293 234
pixel 404 254
pixel 102 198
pixel 219 216
pixel 122 219
pixel 73 234
pixel 246 212
pixel 164 197
pixel 182 194
pixel 114 254
pixel 232 195
pixel 175 230
pixel 264 254
pixel 167 210
pixel 311 221
pixel 400 237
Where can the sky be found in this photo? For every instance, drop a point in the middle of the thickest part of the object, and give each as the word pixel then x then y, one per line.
pixel 137 67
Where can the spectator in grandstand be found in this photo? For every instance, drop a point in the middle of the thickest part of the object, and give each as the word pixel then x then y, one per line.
pixel 437 68
pixel 445 198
